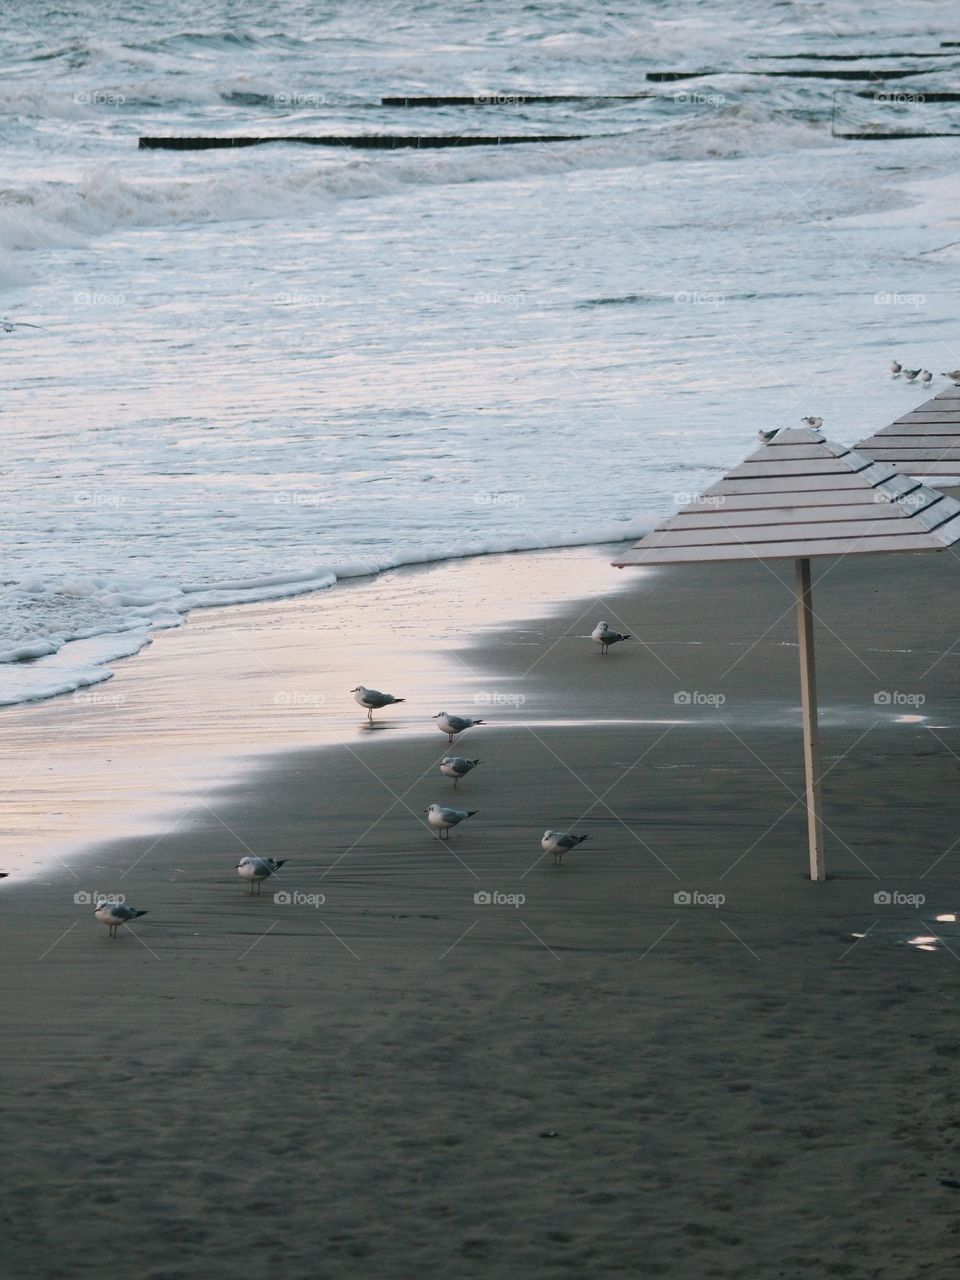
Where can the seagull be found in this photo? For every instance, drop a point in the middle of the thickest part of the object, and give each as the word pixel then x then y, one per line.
pixel 560 842
pixel 452 725
pixel 911 374
pixel 256 870
pixel 604 637
pixel 813 422
pixel 8 326
pixel 926 377
pixel 456 767
pixel 373 699
pixel 954 374
pixel 115 914
pixel 767 436
pixel 443 819
pixel 895 367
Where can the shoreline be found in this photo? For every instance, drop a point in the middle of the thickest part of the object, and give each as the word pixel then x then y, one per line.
pixel 543 1087
pixel 124 756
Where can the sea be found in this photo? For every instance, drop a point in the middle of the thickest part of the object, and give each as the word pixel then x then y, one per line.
pixel 236 375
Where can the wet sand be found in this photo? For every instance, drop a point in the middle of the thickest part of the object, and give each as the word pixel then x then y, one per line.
pixel 604 1078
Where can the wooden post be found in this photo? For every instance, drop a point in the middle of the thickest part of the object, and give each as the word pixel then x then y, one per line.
pixel 811 744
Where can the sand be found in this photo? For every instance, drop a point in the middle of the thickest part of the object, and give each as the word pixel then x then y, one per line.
pixel 402 1081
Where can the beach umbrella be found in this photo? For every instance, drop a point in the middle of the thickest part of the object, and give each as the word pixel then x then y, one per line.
pixel 924 442
pixel 797 498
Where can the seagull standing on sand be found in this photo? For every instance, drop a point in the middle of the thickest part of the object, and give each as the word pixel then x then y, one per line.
pixel 604 637
pixel 256 870
pixel 895 367
pixel 911 374
pixel 926 377
pixel 560 842
pixel 452 725
pixel 115 914
pixel 813 422
pixel 766 436
pixel 443 818
pixel 373 699
pixel 456 767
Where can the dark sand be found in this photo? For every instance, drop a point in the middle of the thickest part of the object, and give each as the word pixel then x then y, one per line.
pixel 405 1083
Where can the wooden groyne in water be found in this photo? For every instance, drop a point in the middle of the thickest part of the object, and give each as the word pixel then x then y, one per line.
pixel 369 142
pixel 507 99
pixel 794 73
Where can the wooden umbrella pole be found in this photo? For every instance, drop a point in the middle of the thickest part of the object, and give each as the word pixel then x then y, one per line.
pixel 811 743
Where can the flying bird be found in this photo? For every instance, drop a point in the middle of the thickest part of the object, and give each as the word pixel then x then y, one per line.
pixel 456 767
pixel 813 422
pixel 452 725
pixel 8 326
pixel 560 842
pixel 256 870
pixel 442 818
pixel 604 637
pixel 373 699
pixel 911 374
pixel 115 914
pixel 767 436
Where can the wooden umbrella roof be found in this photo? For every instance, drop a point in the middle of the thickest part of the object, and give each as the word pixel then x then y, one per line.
pixel 925 441
pixel 800 496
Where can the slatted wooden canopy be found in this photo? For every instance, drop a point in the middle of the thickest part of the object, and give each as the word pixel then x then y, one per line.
pixel 799 497
pixel 924 442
